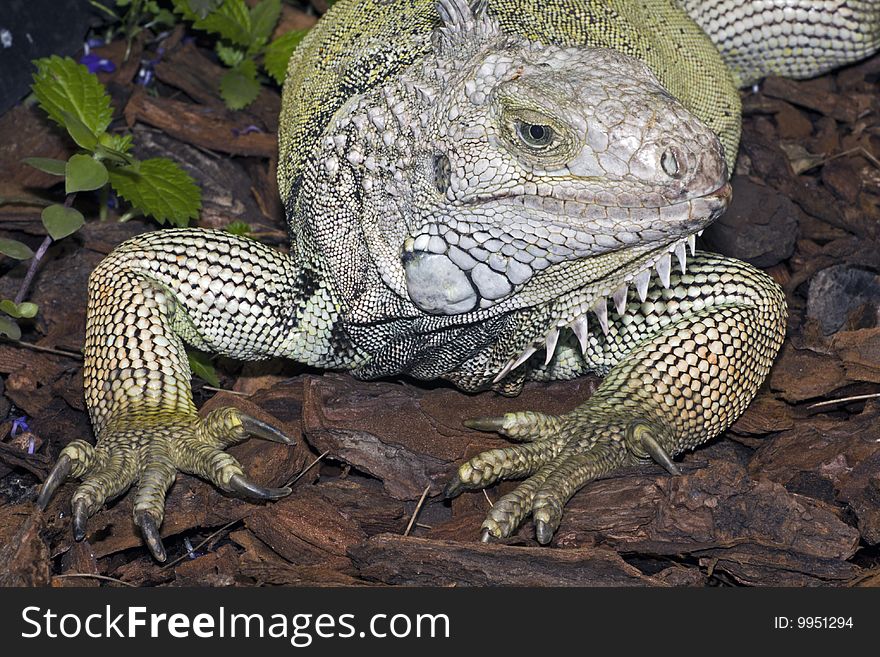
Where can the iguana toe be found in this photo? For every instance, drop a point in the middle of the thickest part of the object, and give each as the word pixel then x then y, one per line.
pixel 584 446
pixel 149 452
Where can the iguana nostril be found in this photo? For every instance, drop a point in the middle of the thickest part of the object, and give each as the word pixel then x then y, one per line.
pixel 670 164
pixel 442 172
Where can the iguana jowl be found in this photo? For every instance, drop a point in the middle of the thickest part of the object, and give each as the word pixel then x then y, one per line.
pixel 485 195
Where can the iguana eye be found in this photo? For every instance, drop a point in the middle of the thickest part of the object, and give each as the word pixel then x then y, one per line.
pixel 535 135
pixel 670 165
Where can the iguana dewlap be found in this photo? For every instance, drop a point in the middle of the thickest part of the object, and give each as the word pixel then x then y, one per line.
pixel 485 195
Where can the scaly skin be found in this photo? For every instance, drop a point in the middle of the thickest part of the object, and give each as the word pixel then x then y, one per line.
pixel 485 198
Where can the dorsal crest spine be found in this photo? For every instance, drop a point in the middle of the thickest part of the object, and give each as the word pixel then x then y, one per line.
pixel 466 26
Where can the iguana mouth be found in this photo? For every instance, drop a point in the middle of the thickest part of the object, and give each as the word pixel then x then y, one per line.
pixel 615 286
pixel 577 204
pixel 581 303
pixel 629 221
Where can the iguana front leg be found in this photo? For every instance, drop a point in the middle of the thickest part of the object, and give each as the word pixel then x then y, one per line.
pixel 689 358
pixel 218 292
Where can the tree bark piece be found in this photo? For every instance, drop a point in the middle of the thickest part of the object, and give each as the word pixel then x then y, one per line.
pixel 208 127
pixel 24 556
pixel 404 560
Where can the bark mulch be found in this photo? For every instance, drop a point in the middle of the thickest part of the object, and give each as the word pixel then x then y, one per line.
pixel 789 496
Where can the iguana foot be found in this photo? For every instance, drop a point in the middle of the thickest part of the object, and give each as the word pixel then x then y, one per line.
pixel 149 451
pixel 559 455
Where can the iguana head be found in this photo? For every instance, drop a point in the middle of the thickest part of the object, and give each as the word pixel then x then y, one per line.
pixel 501 175
pixel 550 169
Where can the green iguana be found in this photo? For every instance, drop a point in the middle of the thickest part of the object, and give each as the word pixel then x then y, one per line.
pixel 486 193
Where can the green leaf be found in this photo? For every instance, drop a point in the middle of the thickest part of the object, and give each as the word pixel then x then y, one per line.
pixel 163 17
pixel 239 86
pixel 160 188
pixel 202 8
pixel 115 148
pixel 264 17
pixel 229 55
pixel 61 85
pixel 112 156
pixel 10 328
pixel 231 20
pixel 47 165
pixel 278 54
pixel 79 131
pixel 240 228
pixel 60 221
pixel 84 173
pixel 9 307
pixel 25 309
pixel 28 309
pixel 116 142
pixel 201 367
pixel 15 249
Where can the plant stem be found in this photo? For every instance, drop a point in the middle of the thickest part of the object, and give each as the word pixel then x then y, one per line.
pixel 38 257
pixel 32 270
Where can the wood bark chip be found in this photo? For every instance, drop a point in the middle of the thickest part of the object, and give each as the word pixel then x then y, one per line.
pixel 24 555
pixel 25 132
pixel 761 566
pixel 400 560
pixel 860 353
pixel 207 127
pixel 800 374
pixel 76 564
pixel 187 69
pixel 760 226
pixel 815 95
pixel 716 506
pixel 265 566
pixel 305 528
pixel 764 415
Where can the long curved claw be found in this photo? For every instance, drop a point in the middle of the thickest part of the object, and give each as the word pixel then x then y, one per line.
pixel 643 434
pixel 489 424
pixel 454 488
pixel 523 427
pixel 150 532
pixel 57 477
pixel 80 519
pixel 659 454
pixel 260 429
pixel 545 527
pixel 248 489
pixel 544 531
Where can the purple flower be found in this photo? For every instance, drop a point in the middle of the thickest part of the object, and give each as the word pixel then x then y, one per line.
pixel 146 73
pixel 145 76
pixel 191 553
pixel 95 63
pixel 19 425
pixel 246 130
